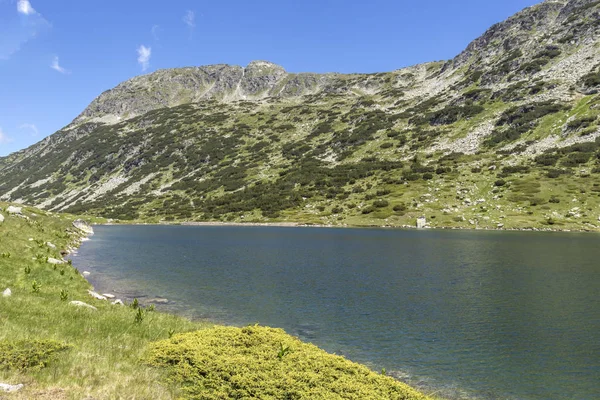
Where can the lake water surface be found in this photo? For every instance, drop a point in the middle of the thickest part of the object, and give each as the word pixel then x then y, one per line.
pixel 490 315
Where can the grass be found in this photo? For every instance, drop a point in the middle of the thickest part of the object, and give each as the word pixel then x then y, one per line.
pixel 61 351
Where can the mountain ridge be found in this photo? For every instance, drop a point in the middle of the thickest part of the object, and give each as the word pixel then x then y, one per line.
pixel 508 119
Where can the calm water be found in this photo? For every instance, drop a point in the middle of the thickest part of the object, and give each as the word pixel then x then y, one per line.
pixel 490 315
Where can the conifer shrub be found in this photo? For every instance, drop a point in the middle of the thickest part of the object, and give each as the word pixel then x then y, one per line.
pixel 28 354
pixel 266 363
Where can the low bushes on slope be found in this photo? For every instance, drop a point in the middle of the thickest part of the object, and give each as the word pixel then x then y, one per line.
pixel 265 363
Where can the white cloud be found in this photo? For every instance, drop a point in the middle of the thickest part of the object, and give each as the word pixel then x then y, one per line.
pixel 3 138
pixel 16 32
pixel 56 66
pixel 34 130
pixel 155 30
pixel 190 19
pixel 144 54
pixel 24 7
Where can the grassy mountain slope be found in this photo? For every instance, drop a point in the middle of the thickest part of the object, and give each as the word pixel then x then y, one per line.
pixel 504 135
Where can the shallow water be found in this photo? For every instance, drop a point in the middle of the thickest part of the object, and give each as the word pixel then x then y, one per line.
pixel 490 315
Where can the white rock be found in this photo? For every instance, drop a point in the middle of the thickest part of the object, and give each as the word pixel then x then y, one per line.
pixel 52 246
pixel 55 261
pixel 10 388
pixel 14 210
pixel 421 223
pixel 500 226
pixel 82 304
pixel 7 293
pixel 118 302
pixel 108 295
pixel 83 226
pixel 86 273
pixel 1 218
pixel 96 295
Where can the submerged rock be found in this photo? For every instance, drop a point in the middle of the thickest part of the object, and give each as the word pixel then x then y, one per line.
pixel 82 304
pixel 158 300
pixel 86 273
pixel 10 388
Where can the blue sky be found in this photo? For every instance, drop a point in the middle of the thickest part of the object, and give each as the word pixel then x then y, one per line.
pixel 56 56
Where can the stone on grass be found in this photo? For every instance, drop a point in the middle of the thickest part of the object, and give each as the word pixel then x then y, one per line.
pixel 82 304
pixel 1 218
pixel 51 245
pixel 118 302
pixel 5 387
pixel 14 210
pixel 7 293
pixel 55 261
pixel 96 295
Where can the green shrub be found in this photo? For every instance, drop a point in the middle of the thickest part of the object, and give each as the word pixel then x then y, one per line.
pixel 28 354
pixel 368 210
pixel 264 363
pixel 400 207
pixel 380 203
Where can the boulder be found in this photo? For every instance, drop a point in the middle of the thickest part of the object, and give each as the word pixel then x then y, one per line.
pixel 421 223
pixel 96 295
pixel 14 210
pixel 118 302
pixel 86 273
pixel 55 261
pixel 7 293
pixel 52 246
pixel 83 226
pixel 108 295
pixel 5 387
pixel 82 304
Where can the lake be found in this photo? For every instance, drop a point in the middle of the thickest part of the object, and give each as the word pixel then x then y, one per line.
pixel 468 314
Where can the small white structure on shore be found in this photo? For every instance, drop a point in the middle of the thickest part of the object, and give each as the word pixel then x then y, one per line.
pixel 421 223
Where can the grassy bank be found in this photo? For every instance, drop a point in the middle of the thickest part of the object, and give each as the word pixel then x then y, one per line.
pixel 62 351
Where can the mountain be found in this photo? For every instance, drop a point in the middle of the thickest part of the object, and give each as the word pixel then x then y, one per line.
pixel 503 135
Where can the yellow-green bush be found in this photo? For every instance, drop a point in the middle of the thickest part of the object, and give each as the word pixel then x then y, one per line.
pixel 253 363
pixel 28 354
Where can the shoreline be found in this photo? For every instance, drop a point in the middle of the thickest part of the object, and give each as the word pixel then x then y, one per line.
pixel 345 226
